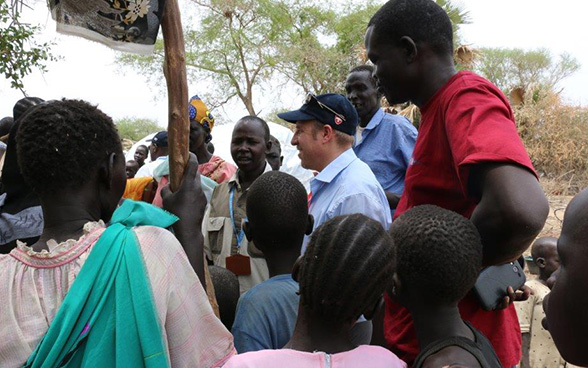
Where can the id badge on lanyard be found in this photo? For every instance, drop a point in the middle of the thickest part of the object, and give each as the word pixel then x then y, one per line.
pixel 238 264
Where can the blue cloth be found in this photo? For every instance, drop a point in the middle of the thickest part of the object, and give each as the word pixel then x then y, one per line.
pixel 386 147
pixel 347 186
pixel 266 315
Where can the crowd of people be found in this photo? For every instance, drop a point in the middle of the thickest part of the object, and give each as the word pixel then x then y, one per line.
pixel 377 265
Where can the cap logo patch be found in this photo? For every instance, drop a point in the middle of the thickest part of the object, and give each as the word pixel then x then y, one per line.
pixel 338 120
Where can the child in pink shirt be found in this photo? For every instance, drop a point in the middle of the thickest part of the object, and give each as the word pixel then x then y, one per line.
pixel 343 274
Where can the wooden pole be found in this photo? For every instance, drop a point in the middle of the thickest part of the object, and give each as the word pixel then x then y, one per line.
pixel 178 127
pixel 174 68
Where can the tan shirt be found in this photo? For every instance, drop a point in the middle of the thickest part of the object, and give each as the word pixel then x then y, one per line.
pixel 219 238
pixel 542 350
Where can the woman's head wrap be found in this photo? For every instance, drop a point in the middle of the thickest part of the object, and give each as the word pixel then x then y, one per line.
pixel 199 113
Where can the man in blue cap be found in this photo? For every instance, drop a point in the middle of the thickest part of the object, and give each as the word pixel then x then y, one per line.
pixel 158 152
pixel 324 135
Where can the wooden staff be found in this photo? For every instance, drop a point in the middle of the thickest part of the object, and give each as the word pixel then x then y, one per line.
pixel 174 69
pixel 178 127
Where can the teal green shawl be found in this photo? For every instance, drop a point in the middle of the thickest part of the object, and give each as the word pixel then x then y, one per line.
pixel 108 317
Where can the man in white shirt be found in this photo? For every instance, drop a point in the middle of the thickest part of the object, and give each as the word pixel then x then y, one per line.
pixel 158 152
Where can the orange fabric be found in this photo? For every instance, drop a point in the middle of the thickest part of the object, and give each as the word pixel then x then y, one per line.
pixel 135 188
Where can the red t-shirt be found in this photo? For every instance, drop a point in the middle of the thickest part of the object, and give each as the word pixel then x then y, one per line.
pixel 467 122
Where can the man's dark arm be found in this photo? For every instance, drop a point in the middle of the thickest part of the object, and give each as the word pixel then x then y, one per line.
pixel 393 199
pixel 511 212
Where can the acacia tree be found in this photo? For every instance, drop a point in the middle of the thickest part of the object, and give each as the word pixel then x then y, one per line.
pixel 243 47
pixel 136 128
pixel 19 52
pixel 317 65
pixel 235 47
pixel 517 68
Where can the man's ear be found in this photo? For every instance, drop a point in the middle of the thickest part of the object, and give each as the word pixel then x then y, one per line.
pixel 371 312
pixel 540 261
pixel 396 287
pixel 296 268
pixel 106 171
pixel 327 133
pixel 309 225
pixel 268 146
pixel 248 231
pixel 410 49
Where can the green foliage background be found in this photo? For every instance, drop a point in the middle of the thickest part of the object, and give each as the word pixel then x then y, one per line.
pixel 19 52
pixel 136 129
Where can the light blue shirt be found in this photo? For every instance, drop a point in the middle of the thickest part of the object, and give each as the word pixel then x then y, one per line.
pixel 266 315
pixel 347 186
pixel 386 147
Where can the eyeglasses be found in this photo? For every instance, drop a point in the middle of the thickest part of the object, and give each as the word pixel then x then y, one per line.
pixel 311 97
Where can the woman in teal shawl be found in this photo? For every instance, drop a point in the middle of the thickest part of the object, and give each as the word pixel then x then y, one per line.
pixel 70 154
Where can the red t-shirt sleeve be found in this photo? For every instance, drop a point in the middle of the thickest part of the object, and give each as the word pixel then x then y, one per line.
pixel 480 128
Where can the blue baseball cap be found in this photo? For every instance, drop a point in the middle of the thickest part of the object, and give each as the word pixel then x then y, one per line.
pixel 160 139
pixel 331 108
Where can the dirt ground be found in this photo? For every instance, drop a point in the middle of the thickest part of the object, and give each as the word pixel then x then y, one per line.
pixel 557 207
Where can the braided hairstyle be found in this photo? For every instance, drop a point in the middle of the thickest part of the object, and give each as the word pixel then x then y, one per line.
pixel 347 266
pixel 61 143
pixel 278 203
pixel 439 253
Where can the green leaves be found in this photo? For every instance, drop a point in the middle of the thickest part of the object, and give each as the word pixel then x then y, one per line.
pixel 524 69
pixel 136 129
pixel 19 52
pixel 246 47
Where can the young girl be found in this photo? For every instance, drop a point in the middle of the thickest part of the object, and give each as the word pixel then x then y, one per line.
pixel 343 274
pixel 87 294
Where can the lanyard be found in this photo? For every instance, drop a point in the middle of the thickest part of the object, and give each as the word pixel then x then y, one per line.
pixel 238 236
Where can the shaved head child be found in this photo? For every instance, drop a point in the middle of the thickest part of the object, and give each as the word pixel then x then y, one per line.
pixel 278 219
pixel 439 255
pixel 567 303
pixel 538 346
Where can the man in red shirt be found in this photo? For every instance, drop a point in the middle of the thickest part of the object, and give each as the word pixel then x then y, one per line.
pixel 468 157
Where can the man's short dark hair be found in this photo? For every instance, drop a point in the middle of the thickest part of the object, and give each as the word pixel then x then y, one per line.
pixel 439 253
pixel 266 130
pixel 363 69
pixel 226 288
pixel 5 125
pixel 421 20
pixel 23 105
pixel 275 141
pixel 61 143
pixel 277 203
